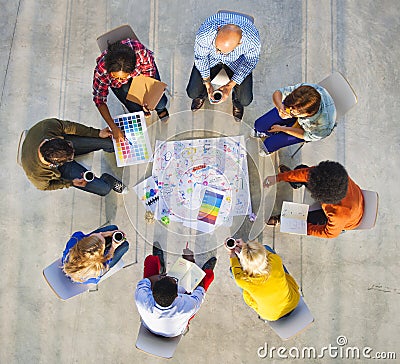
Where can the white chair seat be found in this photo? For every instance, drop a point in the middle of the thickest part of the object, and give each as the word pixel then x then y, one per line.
pixel 114 35
pixel 64 287
pixel 371 203
pixel 298 320
pixel 150 343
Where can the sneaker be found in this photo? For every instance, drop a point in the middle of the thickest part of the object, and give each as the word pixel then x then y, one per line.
pixel 163 115
pixel 157 251
pixel 283 168
pixel 253 134
pixel 210 264
pixel 262 152
pixel 115 184
pixel 274 220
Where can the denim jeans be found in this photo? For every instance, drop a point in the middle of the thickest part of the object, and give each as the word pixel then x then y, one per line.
pixel 122 92
pixel 242 93
pixel 275 141
pixel 72 170
pixel 122 248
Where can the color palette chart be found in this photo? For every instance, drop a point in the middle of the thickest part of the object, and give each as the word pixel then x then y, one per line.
pixel 210 206
pixel 136 147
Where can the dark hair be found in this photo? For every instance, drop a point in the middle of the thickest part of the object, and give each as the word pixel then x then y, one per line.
pixel 57 151
pixel 120 57
pixel 328 182
pixel 165 291
pixel 304 99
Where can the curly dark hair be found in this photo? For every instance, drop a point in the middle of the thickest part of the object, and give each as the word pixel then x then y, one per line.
pixel 57 151
pixel 165 291
pixel 328 182
pixel 305 99
pixel 120 57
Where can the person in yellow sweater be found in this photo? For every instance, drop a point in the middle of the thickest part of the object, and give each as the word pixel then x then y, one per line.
pixel 267 287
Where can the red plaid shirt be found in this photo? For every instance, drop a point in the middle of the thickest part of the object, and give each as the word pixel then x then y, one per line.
pixel 145 65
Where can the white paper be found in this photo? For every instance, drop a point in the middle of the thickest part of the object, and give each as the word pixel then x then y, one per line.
pixel 294 218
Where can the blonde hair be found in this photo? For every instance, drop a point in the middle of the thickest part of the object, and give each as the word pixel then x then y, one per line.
pixel 86 259
pixel 254 260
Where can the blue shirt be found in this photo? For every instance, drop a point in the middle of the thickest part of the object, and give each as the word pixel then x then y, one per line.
pixel 242 60
pixel 167 321
pixel 76 236
pixel 321 124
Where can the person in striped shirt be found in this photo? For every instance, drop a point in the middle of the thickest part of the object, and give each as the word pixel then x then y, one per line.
pixel 230 41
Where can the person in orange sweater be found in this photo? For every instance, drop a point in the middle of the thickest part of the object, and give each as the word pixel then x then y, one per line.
pixel 342 202
pixel 267 287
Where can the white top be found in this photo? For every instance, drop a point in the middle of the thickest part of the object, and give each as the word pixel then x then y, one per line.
pixel 167 321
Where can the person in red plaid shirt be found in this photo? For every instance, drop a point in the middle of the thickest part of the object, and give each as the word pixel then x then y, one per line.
pixel 115 69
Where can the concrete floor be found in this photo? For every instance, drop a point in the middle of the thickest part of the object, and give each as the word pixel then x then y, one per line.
pixel 48 53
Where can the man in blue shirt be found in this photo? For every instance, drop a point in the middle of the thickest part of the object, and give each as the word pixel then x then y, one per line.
pixel 230 41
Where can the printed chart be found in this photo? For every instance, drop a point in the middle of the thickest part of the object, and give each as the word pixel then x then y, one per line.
pixel 136 148
pixel 202 183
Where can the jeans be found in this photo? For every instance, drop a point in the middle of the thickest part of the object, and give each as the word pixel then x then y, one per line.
pixel 122 92
pixel 275 141
pixel 242 94
pixel 72 170
pixel 120 251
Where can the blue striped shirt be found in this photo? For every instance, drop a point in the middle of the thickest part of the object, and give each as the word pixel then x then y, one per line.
pixel 242 60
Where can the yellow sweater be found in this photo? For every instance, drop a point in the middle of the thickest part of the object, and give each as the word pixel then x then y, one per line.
pixel 273 297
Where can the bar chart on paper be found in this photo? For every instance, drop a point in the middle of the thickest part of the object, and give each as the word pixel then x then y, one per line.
pixel 136 147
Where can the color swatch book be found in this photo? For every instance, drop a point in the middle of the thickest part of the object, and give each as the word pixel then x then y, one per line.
pixel 136 147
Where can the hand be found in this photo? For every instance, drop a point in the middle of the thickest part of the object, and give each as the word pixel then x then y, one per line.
pixel 146 110
pixel 283 113
pixel 277 128
pixel 210 89
pixel 105 133
pixel 226 90
pixel 118 135
pixel 269 181
pixel 79 182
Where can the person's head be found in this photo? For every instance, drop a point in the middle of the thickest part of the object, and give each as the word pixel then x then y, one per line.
pixel 328 182
pixel 303 101
pixel 228 38
pixel 254 259
pixel 57 151
pixel 165 291
pixel 86 258
pixel 120 60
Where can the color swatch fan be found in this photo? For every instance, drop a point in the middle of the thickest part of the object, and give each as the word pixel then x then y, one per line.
pixel 136 147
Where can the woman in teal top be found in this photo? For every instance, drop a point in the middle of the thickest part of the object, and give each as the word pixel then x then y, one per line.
pixel 304 112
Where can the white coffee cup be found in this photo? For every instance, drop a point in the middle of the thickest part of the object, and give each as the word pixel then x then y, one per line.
pixel 118 237
pixel 88 176
pixel 230 243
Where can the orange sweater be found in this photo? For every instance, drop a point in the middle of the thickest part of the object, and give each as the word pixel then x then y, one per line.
pixel 346 215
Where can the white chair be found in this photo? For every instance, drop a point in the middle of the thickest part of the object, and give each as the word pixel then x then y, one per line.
pixel 237 13
pixel 371 203
pixel 114 35
pixel 64 287
pixel 297 321
pixel 342 94
pixel 20 143
pixel 161 346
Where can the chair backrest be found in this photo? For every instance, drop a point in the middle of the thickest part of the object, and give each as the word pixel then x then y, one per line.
pixel 341 91
pixel 20 143
pixel 298 320
pixel 371 203
pixel 114 35
pixel 150 343
pixel 63 287
pixel 237 13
